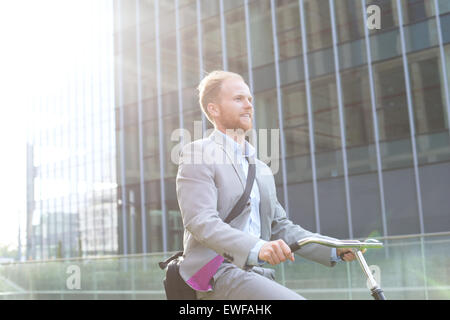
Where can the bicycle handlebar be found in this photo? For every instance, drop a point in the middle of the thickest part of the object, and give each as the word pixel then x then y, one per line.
pixel 376 291
pixel 369 243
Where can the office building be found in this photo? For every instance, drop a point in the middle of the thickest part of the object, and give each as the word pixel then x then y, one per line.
pixel 362 112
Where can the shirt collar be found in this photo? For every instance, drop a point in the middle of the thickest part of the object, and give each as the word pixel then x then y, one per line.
pixel 250 151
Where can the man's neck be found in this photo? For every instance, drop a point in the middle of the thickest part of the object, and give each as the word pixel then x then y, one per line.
pixel 237 135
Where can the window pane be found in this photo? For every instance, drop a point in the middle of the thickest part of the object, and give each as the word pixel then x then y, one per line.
pixel 321 62
pixel 349 20
pixel 421 35
pixel 361 154
pixel 296 132
pixel 212 46
pixel 168 55
pixel 327 134
pixel 298 158
pixel 446 64
pixel 301 204
pixel 366 207
pixel 429 106
pixel 318 24
pixel 261 34
pixel 444 6
pixel 190 65
pixel 131 149
pixel 391 101
pixel 154 217
pixel 427 93
pixel 352 54
pixel 416 10
pixel 445 25
pixel 435 180
pixel 288 28
pixel 266 114
pixel 187 10
pixel 231 4
pixel 171 123
pixel 401 202
pixel 151 150
pixel 210 8
pixel 236 40
pixel 333 212
pixel 384 45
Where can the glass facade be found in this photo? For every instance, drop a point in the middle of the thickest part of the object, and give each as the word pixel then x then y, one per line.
pixel 364 139
pixel 363 118
pixel 362 114
pixel 71 165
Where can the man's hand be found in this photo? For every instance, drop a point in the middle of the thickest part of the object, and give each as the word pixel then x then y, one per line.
pixel 275 252
pixel 347 254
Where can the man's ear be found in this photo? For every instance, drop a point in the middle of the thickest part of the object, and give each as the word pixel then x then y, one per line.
pixel 213 109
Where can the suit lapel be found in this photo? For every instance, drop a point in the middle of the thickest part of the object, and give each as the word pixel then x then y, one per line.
pixel 237 167
pixel 229 151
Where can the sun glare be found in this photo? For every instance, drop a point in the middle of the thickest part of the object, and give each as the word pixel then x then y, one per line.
pixel 44 45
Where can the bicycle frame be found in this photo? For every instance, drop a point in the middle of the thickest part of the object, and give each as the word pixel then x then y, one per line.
pixel 376 291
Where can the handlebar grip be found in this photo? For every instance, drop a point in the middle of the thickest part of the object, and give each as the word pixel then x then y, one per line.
pixel 294 246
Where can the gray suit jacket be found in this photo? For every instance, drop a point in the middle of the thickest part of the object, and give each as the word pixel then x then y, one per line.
pixel 209 183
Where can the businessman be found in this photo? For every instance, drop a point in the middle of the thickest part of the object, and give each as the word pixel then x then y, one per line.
pixel 221 260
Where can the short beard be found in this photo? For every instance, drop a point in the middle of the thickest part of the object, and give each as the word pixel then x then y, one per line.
pixel 236 125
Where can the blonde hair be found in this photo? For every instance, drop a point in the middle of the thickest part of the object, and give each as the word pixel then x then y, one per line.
pixel 209 88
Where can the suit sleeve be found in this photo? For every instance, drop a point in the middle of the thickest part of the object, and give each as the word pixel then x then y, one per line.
pixel 283 228
pixel 197 198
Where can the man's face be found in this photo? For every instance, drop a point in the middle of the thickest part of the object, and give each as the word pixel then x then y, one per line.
pixel 234 106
